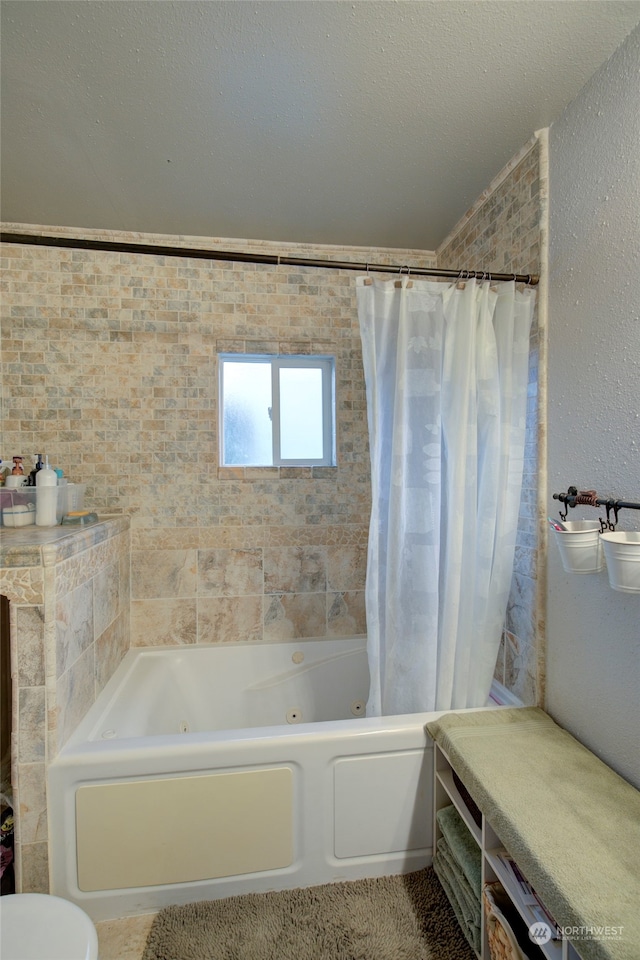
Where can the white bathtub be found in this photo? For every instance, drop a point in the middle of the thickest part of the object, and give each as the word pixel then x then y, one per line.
pixel 196 775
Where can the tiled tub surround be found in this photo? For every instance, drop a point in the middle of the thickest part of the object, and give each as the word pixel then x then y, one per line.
pixel 69 622
pixel 503 232
pixel 252 592
pixel 111 368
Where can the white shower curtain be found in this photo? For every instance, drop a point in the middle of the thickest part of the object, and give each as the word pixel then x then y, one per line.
pixel 446 381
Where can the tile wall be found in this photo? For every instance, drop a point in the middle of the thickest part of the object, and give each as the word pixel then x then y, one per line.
pixel 502 232
pixel 69 624
pixel 111 370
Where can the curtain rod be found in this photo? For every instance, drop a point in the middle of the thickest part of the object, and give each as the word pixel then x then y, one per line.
pixel 235 255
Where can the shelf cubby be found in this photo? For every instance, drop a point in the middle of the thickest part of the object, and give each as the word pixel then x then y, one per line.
pixel 446 792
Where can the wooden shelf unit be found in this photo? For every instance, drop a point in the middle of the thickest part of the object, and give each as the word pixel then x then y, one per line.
pixel 446 793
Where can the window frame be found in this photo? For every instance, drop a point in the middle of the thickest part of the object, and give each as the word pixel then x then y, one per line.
pixel 323 362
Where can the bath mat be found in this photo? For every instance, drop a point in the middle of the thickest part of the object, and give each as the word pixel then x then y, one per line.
pixel 388 918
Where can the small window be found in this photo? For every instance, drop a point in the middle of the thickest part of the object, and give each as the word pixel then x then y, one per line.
pixel 276 411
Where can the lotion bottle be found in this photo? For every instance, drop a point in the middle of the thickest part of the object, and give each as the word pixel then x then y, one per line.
pixel 46 496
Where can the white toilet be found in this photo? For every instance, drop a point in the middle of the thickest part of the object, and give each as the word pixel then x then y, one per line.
pixel 35 926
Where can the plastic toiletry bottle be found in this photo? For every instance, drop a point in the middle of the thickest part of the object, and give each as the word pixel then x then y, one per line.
pixel 61 507
pixel 37 466
pixel 46 496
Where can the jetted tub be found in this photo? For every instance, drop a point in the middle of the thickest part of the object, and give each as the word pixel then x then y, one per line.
pixel 208 771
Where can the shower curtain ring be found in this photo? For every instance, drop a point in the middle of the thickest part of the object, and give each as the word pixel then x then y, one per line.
pixel 401 269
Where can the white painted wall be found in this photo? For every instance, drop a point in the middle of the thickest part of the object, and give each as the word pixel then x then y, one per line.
pixel 593 632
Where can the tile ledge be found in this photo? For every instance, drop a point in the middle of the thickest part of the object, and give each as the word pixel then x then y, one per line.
pixel 46 547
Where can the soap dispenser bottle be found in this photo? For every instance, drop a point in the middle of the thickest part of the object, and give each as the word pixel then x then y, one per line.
pixel 46 496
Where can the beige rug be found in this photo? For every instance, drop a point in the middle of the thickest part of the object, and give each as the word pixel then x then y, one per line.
pixel 389 918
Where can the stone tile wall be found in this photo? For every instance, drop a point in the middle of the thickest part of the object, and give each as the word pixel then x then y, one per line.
pixel 110 364
pixel 502 233
pixel 92 627
pixel 249 592
pixel 111 370
pixel 69 623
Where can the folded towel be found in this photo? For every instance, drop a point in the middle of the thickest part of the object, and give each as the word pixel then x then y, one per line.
pixel 463 847
pixel 471 931
pixel 468 900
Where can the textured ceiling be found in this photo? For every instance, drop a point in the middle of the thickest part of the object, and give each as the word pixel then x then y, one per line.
pixel 367 123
